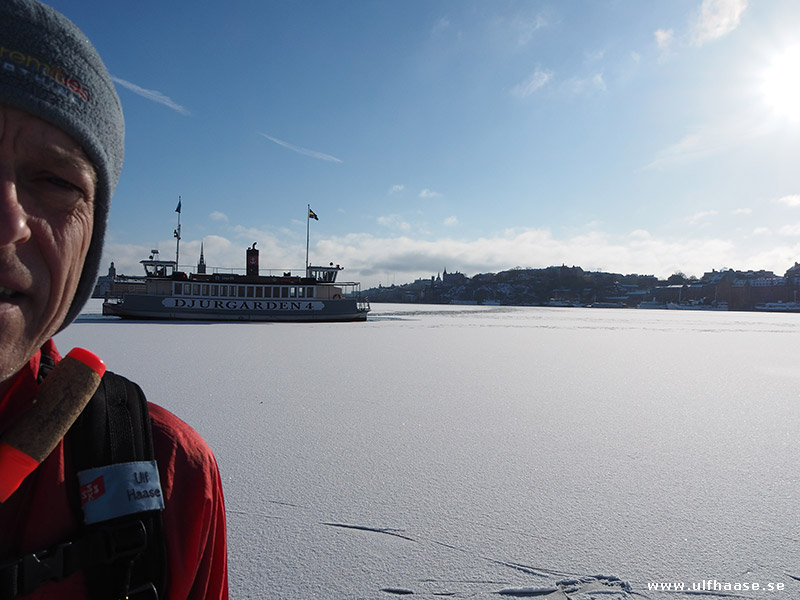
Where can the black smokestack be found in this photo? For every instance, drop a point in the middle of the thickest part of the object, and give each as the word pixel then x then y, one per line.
pixel 252 261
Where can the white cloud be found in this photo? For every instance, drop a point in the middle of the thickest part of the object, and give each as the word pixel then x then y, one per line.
pixel 406 258
pixel 394 222
pixel 595 56
pixel 451 221
pixel 218 216
pixel 581 85
pixel 426 193
pixel 790 230
pixel 153 95
pixel 441 25
pixel 526 28
pixel 742 211
pixel 690 147
pixel 790 200
pixel 369 258
pixel 664 39
pixel 711 140
pixel 537 80
pixel 701 216
pixel 396 188
pixel 717 18
pixel 303 151
pixel 515 32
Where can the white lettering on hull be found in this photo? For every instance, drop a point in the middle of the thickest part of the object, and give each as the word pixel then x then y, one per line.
pixel 241 305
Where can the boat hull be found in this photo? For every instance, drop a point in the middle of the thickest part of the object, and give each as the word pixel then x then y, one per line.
pixel 144 306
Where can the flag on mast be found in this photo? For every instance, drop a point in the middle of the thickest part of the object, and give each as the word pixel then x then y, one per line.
pixel 178 208
pixel 312 215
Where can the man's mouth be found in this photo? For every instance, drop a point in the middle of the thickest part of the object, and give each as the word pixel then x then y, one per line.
pixel 8 294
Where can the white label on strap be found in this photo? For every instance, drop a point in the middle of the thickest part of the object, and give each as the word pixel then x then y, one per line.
pixel 120 489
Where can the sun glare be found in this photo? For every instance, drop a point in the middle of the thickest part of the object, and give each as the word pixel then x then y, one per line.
pixel 782 84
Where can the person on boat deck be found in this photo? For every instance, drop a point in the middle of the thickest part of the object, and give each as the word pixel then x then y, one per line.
pixel 61 151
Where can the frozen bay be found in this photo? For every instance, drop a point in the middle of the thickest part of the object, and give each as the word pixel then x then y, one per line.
pixel 474 451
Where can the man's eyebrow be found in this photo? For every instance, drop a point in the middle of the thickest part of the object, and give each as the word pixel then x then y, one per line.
pixel 74 158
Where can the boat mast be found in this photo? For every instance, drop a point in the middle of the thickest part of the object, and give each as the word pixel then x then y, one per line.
pixel 308 233
pixel 177 235
pixel 309 215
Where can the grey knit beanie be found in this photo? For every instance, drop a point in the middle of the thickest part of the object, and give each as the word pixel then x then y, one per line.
pixel 50 70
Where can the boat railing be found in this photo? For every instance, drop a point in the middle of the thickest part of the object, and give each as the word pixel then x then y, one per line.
pixel 240 271
pixel 351 289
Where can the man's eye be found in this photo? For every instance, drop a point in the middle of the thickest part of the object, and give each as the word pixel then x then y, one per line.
pixel 63 184
pixel 57 192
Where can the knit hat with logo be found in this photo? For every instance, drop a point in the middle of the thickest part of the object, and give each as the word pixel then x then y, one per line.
pixel 50 70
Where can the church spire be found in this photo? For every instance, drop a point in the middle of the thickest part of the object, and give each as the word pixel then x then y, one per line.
pixel 201 265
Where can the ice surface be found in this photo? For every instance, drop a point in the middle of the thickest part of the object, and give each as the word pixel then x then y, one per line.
pixel 489 451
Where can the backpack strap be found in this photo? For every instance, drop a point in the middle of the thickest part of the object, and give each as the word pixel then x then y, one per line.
pixel 112 439
pixel 102 546
pixel 123 556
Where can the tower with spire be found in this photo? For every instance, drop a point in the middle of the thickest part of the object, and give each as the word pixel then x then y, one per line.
pixel 201 264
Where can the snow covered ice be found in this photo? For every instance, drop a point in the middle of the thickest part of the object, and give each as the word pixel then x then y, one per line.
pixel 490 451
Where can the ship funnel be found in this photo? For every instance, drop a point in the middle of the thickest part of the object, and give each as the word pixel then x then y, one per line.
pixel 252 261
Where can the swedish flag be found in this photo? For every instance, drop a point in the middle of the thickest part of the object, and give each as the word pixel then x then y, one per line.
pixel 312 215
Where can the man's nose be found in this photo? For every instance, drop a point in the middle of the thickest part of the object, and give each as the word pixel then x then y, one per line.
pixel 13 218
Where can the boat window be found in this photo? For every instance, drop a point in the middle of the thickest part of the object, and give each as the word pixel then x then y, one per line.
pixel 241 291
pixel 196 289
pixel 284 292
pixel 259 292
pixel 205 289
pixel 250 291
pixel 215 290
pixel 309 292
pixel 293 292
pixel 223 290
pixel 177 288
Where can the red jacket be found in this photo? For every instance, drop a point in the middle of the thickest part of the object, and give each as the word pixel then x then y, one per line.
pixel 39 514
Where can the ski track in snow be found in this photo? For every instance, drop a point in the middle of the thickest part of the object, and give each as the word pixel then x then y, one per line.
pixel 596 587
pixel 572 587
pixel 384 530
pixel 561 584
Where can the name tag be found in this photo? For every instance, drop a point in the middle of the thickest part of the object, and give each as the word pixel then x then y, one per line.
pixel 118 490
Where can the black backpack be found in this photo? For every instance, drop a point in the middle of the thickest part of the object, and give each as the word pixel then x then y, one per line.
pixel 124 557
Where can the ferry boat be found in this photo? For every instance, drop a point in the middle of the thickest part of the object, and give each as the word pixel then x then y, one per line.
pixel 171 294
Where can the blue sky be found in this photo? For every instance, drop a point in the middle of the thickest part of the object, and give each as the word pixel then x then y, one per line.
pixel 627 136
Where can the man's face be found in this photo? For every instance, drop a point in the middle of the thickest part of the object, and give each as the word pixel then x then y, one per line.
pixel 47 190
